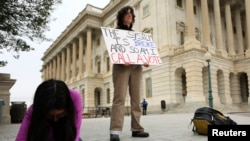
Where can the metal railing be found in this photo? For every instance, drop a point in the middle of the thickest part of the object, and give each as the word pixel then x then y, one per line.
pixel 94 112
pixel 97 111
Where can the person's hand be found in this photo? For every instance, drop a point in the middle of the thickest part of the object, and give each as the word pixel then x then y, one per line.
pixel 146 65
pixel 126 64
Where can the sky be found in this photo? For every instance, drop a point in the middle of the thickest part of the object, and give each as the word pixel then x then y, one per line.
pixel 26 69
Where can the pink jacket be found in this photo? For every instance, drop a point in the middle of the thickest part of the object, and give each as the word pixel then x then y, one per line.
pixel 77 100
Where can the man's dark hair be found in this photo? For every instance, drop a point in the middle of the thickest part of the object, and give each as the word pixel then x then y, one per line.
pixel 121 14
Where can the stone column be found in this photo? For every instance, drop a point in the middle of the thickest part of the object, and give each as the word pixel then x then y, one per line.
pixel 51 68
pixel 58 68
pixel 227 92
pixel 74 56
pixel 218 29
pixel 247 3
pixel 229 27
pixel 190 19
pixel 235 89
pixel 194 83
pixel 63 65
pixel 44 71
pixel 80 56
pixel 6 84
pixel 214 82
pixel 88 52
pixel 248 72
pixel 48 70
pixel 190 40
pixel 54 67
pixel 68 64
pixel 240 47
pixel 205 24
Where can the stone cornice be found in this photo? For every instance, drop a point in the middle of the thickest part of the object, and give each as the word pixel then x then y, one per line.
pixel 112 7
pixel 90 16
pixel 89 13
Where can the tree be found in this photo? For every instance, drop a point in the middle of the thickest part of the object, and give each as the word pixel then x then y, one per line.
pixel 21 20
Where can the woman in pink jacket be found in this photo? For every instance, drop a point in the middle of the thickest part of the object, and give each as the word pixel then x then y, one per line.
pixel 55 115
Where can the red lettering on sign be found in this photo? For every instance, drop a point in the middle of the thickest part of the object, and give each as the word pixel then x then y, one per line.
pixel 120 58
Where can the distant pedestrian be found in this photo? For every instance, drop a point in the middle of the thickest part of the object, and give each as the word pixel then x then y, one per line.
pixel 144 105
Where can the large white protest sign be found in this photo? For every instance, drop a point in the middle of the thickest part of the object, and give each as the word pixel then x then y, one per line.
pixel 130 47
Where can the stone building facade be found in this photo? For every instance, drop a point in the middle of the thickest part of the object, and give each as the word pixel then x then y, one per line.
pixel 184 31
pixel 6 83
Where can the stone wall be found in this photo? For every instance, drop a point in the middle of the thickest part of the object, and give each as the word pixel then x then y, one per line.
pixel 5 85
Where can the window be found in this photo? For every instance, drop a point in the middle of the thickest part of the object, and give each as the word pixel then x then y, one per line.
pixel 98 63
pixel 98 67
pixel 181 38
pixel 148 30
pixel 197 34
pixel 108 64
pixel 83 96
pixel 148 87
pixel 180 28
pixel 184 85
pixel 179 3
pixel 145 10
pixel 98 42
pixel 108 95
pixel 98 97
pixel 106 60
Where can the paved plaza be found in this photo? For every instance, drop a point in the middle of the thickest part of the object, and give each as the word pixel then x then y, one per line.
pixel 162 127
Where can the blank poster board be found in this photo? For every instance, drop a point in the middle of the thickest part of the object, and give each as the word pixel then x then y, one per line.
pixel 126 46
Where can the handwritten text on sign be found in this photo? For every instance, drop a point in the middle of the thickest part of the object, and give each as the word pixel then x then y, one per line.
pixel 130 47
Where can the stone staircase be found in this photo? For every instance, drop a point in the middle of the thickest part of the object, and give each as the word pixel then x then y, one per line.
pixel 187 108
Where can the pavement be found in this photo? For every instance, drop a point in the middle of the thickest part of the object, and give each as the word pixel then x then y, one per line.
pixel 162 127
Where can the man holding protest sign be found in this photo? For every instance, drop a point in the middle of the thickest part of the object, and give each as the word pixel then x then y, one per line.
pixel 124 76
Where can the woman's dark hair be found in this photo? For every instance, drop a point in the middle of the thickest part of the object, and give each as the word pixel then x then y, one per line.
pixel 50 95
pixel 121 13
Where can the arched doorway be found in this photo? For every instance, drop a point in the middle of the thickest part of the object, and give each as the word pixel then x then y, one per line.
pixel 181 85
pixel 97 97
pixel 244 90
